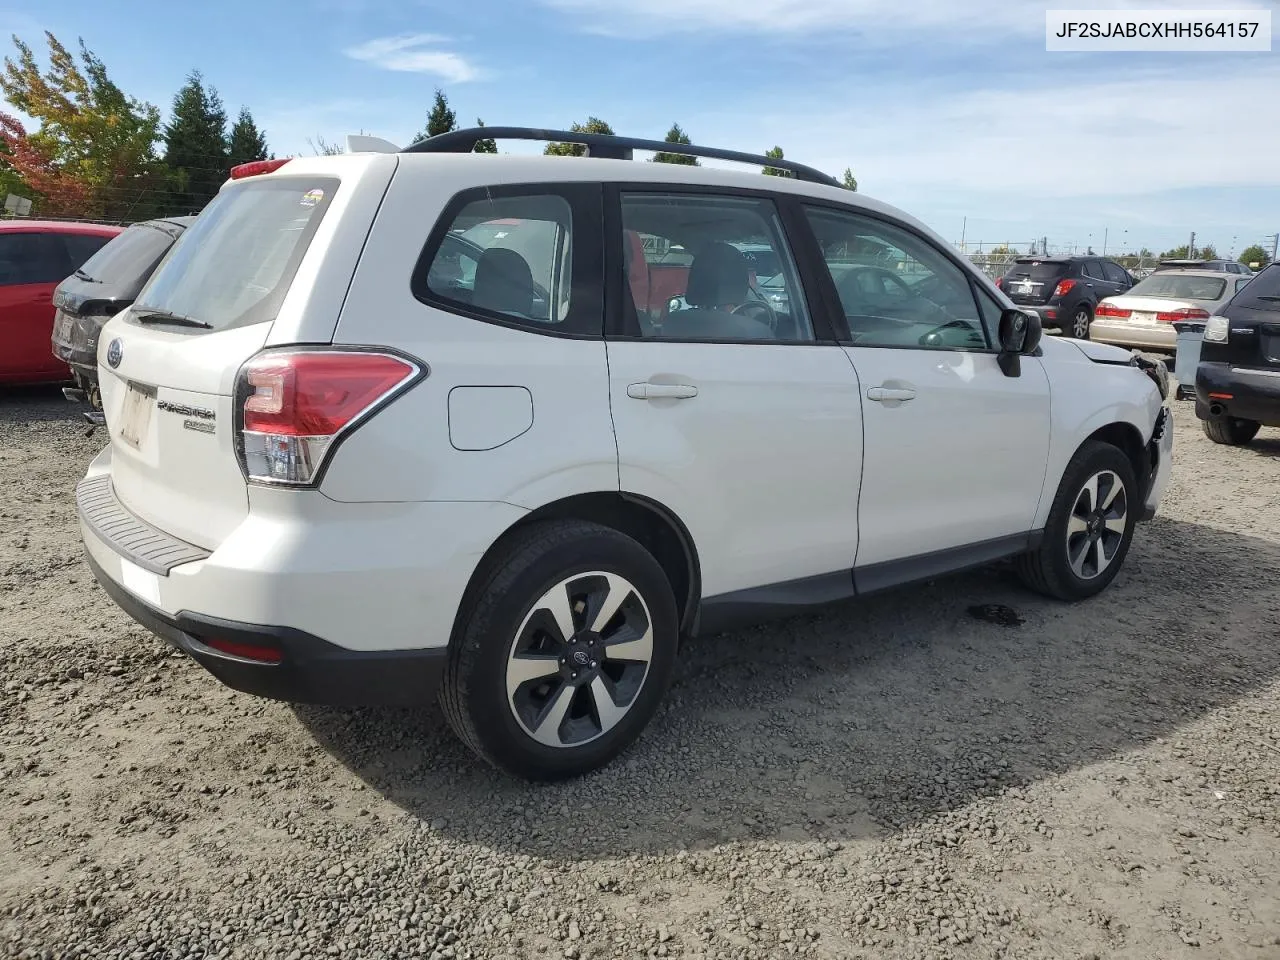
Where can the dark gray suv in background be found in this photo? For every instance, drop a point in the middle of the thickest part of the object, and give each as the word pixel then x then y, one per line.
pixel 1064 291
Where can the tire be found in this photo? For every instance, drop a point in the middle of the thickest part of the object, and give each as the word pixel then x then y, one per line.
pixel 1230 431
pixel 1065 565
pixel 530 704
pixel 1077 327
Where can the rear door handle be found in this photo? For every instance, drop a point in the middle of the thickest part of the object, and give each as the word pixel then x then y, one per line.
pixel 881 394
pixel 661 391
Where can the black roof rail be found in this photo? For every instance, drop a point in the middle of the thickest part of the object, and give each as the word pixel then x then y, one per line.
pixel 607 146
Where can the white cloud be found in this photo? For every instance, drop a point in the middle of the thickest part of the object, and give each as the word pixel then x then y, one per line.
pixel 1148 132
pixel 874 19
pixel 415 53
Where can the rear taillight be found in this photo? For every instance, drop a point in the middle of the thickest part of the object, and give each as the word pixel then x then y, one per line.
pixel 1105 309
pixel 999 283
pixel 293 405
pixel 1217 329
pixel 256 168
pixel 1063 288
pixel 1182 313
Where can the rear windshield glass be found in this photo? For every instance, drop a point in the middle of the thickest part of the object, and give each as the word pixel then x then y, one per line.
pixel 233 266
pixel 1175 287
pixel 126 262
pixel 1262 292
pixel 1037 271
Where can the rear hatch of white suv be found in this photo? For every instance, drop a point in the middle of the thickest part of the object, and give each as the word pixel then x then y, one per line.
pixel 267 262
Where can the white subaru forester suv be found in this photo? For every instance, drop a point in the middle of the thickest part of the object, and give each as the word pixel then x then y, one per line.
pixel 504 429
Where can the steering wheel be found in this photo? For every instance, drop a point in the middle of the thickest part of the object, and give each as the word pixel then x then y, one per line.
pixel 934 337
pixel 769 316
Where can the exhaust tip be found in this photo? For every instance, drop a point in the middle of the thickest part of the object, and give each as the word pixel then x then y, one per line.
pixel 74 394
pixel 1216 409
pixel 95 418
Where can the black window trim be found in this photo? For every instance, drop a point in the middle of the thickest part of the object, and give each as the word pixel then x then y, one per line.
pixel 587 297
pixel 977 280
pixel 794 235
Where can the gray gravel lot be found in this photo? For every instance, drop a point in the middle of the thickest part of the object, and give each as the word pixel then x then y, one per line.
pixel 892 779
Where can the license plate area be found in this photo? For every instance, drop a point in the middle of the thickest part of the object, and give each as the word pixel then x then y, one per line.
pixel 1147 319
pixel 135 413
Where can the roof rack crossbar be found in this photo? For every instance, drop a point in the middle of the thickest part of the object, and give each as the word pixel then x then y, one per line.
pixel 606 146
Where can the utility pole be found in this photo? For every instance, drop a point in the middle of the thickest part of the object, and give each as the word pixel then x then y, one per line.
pixel 1105 232
pixel 1275 246
pixel 963 224
pixel 1191 247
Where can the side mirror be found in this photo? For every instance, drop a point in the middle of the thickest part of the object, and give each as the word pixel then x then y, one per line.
pixel 1020 334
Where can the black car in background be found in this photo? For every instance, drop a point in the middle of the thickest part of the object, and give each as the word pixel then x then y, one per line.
pixel 1238 379
pixel 106 284
pixel 1064 291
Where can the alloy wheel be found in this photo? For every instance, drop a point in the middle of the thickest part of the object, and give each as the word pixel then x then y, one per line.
pixel 579 659
pixel 1080 324
pixel 1097 524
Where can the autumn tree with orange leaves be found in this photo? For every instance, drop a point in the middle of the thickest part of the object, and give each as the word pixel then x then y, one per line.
pixel 94 153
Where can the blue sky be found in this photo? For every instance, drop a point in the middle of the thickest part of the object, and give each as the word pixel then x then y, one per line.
pixel 950 109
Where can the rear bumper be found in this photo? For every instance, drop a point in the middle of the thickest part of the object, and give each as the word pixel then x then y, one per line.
pixel 310 670
pixel 1163 339
pixel 1241 393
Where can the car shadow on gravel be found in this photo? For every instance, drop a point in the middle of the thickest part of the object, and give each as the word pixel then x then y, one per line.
pixel 43 403
pixel 871 717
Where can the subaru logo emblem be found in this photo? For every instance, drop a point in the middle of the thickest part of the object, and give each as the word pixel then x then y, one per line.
pixel 115 352
pixel 580 658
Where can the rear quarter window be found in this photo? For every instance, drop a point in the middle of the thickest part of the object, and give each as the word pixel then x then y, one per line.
pixel 235 263
pixel 1261 292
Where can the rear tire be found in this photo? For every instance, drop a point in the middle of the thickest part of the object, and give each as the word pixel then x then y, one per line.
pixel 1077 325
pixel 1230 431
pixel 1089 529
pixel 542 705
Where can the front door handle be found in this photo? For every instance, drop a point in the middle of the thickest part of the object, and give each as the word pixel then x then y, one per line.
pixel 661 391
pixel 890 394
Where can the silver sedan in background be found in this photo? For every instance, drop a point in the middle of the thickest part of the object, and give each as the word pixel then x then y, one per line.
pixel 1144 316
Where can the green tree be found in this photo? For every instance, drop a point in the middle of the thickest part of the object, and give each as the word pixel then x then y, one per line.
pixel 440 120
pixel 1255 254
pixel 485 146
pixel 195 144
pixel 593 125
pixel 94 152
pixel 850 181
pixel 676 135
pixel 247 142
pixel 1177 253
pixel 775 154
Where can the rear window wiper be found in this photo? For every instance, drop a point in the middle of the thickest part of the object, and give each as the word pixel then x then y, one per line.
pixel 146 315
pixel 1263 296
pixel 81 275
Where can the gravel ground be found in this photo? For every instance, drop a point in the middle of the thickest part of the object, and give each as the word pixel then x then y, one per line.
pixel 893 779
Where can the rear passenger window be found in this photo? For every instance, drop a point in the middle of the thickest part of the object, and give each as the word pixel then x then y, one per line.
pixel 32 258
pixel 510 256
pixel 710 268
pixel 1115 272
pixel 1093 270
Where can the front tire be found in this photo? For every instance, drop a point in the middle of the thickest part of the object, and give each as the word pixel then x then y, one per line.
pixel 564 653
pixel 1231 431
pixel 1090 526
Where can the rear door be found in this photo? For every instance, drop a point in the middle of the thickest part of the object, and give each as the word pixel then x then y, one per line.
pixel 31 266
pixel 737 413
pixel 268 258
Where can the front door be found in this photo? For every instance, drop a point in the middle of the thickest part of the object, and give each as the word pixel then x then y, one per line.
pixel 727 407
pixel 954 450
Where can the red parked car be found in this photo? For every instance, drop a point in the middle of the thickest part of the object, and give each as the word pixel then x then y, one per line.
pixel 35 256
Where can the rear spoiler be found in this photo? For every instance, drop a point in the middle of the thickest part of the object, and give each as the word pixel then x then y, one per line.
pixel 360 143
